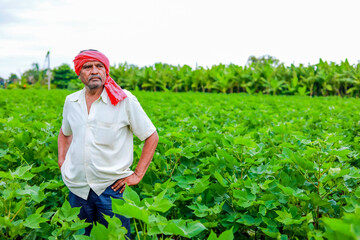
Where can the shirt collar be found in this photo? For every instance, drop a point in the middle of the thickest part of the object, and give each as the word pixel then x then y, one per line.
pixel 80 96
pixel 104 97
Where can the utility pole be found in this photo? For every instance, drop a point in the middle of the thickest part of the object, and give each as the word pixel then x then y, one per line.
pixel 47 58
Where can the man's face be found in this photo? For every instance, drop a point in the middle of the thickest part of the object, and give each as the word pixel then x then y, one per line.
pixel 93 74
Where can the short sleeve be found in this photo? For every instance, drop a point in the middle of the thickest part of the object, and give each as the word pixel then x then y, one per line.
pixel 65 127
pixel 140 123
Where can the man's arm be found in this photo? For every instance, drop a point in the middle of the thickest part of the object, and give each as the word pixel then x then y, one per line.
pixel 144 162
pixel 63 146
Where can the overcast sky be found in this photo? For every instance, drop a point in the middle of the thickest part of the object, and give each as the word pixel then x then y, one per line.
pixel 205 32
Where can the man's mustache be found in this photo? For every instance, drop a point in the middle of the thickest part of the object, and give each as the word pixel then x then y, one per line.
pixel 95 76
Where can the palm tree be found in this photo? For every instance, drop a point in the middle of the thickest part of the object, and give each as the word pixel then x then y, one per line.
pixel 182 78
pixel 156 78
pixel 223 78
pixel 198 79
pixel 354 80
pixel 34 75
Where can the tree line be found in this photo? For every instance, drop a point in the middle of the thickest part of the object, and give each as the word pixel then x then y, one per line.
pixel 262 75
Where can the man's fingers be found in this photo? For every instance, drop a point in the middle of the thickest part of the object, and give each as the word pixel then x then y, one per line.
pixel 123 189
pixel 119 184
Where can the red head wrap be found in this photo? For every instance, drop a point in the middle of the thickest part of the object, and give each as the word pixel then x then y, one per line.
pixel 114 91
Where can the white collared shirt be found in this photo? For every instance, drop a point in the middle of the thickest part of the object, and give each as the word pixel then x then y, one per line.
pixel 101 150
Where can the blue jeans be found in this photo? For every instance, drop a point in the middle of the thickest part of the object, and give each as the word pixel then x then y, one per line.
pixel 95 206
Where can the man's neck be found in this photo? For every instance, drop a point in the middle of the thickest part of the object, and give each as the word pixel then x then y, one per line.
pixel 93 93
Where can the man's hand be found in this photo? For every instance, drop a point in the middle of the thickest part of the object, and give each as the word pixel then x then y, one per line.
pixel 60 163
pixel 143 164
pixel 131 180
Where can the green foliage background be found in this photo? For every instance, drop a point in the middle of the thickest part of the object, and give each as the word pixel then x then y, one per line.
pixel 227 166
pixel 265 75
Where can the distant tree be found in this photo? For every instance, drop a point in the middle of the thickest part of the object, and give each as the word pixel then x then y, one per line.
pixel 13 78
pixel 263 60
pixel 34 74
pixel 65 77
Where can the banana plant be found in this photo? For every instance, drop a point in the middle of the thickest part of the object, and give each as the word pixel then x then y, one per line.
pixel 223 78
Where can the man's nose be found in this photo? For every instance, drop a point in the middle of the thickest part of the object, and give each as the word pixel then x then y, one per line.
pixel 94 70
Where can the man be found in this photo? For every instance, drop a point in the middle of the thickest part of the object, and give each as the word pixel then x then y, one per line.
pixel 95 142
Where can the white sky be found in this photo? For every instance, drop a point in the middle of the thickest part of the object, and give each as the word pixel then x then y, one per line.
pixel 205 32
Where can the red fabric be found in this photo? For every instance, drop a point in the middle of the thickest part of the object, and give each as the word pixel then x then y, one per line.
pixel 114 91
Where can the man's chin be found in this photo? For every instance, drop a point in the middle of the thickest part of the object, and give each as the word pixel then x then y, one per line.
pixel 94 86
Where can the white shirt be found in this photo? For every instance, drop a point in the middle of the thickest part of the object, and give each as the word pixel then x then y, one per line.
pixel 101 150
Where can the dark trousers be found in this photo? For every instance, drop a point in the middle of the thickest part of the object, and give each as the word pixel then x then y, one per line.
pixel 95 206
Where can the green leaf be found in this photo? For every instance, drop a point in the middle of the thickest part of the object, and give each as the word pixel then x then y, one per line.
pixel 79 225
pixel 224 154
pixel 39 210
pixel 185 181
pixel 292 192
pixel 212 236
pixel 99 231
pixel 81 237
pixel 194 228
pixel 298 160
pixel 316 200
pixel 173 151
pixel 161 204
pixel 200 185
pixel 244 195
pixel 67 212
pixel 262 210
pixel 34 220
pixel 23 173
pixel 338 225
pixel 183 228
pixel 357 192
pixel 245 142
pixel 334 174
pixel 284 237
pixel 113 231
pixel 341 152
pixel 271 231
pixel 3 152
pixel 33 191
pixel 220 179
pixel 130 211
pixel 246 220
pixel 7 175
pixel 287 219
pixel 130 195
pixel 226 235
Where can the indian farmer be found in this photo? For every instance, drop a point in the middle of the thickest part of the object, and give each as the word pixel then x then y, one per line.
pixel 95 142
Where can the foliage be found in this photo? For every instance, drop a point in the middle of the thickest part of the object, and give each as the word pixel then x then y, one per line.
pixel 65 77
pixel 264 74
pixel 13 78
pixel 35 74
pixel 226 167
pixel 260 75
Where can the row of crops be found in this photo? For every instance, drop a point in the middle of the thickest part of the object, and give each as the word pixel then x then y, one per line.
pixel 266 76
pixel 227 167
